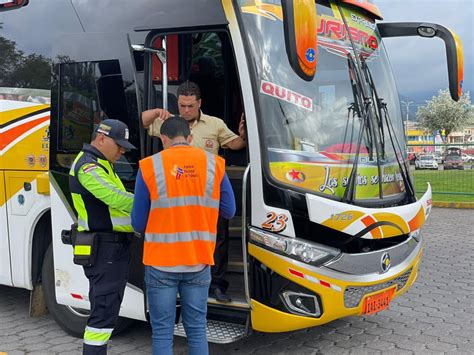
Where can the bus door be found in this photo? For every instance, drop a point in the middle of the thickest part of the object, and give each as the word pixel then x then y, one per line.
pixel 95 78
pixel 204 56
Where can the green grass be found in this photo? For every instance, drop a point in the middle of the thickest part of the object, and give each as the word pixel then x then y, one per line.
pixel 459 182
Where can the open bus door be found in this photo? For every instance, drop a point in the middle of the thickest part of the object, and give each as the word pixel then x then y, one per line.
pixel 94 78
pixel 205 56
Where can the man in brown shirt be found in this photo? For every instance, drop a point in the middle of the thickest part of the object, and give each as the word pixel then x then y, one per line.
pixel 209 133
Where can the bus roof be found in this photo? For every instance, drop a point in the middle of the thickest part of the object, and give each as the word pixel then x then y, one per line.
pixel 180 14
pixel 367 5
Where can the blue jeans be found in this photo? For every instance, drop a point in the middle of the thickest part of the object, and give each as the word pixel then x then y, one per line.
pixel 162 288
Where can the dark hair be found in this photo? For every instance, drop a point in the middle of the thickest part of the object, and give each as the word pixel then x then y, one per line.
pixel 94 135
pixel 174 127
pixel 188 88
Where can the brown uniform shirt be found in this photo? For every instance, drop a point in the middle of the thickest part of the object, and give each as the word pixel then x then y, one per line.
pixel 209 133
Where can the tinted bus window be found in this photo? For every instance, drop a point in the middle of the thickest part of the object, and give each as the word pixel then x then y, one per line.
pixel 89 93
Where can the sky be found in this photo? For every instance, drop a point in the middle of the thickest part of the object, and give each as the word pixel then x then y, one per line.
pixel 419 63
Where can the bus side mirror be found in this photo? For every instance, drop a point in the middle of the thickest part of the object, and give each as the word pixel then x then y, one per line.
pixel 454 51
pixel 301 37
pixel 12 4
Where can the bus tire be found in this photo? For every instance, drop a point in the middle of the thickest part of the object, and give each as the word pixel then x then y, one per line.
pixel 71 320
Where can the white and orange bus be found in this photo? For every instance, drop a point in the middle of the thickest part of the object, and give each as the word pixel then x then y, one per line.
pixel 329 223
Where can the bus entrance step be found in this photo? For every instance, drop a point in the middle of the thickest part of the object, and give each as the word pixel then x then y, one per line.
pixel 217 332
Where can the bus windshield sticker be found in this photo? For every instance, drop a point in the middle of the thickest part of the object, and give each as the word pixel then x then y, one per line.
pixel 287 95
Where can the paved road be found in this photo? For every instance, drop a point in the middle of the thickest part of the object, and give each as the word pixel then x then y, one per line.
pixel 435 316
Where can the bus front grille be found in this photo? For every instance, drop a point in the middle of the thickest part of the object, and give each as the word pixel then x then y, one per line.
pixel 354 294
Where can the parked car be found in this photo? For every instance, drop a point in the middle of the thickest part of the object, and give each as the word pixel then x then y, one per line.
pixel 438 157
pixel 453 162
pixel 451 151
pixel 466 158
pixel 427 161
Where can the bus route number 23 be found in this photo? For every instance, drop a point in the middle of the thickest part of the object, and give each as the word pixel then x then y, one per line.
pixel 275 222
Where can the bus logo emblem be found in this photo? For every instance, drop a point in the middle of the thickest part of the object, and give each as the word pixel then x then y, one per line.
pixel 385 262
pixel 310 55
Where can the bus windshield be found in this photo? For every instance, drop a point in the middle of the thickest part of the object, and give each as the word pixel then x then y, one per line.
pixel 344 127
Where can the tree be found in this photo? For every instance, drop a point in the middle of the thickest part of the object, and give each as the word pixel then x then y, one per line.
pixel 442 113
pixel 20 70
pixel 34 71
pixel 9 59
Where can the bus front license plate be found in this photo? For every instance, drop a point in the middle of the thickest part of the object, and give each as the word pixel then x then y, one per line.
pixel 378 302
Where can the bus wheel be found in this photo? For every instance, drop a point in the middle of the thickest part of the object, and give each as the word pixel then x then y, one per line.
pixel 71 319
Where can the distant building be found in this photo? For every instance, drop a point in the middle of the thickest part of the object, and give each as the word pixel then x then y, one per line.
pixel 418 139
pixel 466 136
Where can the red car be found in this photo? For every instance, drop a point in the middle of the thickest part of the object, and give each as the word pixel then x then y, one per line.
pixel 453 162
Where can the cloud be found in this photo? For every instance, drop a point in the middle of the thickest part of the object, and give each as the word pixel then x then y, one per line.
pixel 420 64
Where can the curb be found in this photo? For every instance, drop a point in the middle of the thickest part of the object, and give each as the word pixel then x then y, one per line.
pixel 440 204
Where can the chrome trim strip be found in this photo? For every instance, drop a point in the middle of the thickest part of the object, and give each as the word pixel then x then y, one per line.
pixel 244 232
pixel 372 277
pixel 367 263
pixel 164 65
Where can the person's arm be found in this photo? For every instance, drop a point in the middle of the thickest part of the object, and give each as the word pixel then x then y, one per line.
pixel 149 116
pixel 227 199
pixel 239 142
pixel 98 183
pixel 141 205
pixel 236 144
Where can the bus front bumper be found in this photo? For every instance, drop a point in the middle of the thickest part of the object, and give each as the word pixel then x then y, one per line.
pixel 335 294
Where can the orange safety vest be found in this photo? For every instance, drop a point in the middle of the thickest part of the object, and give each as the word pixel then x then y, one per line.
pixel 184 186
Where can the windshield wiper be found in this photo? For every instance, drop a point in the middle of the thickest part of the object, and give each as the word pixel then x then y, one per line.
pixel 361 108
pixel 381 115
pixel 378 101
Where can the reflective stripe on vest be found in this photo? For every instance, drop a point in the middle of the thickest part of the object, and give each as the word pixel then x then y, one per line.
pixel 97 336
pixel 83 224
pixel 107 185
pixel 180 237
pixel 159 175
pixel 185 201
pixel 121 221
pixel 182 223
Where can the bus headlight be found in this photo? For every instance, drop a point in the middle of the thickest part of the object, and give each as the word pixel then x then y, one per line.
pixel 295 248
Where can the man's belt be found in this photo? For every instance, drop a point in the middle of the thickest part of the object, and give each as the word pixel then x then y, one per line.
pixel 113 237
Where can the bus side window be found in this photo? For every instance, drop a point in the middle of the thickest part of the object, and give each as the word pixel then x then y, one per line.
pixel 89 93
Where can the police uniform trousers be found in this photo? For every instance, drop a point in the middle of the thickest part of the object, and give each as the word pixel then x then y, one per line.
pixel 107 280
pixel 221 256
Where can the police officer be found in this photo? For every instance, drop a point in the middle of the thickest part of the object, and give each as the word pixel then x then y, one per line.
pixel 103 207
